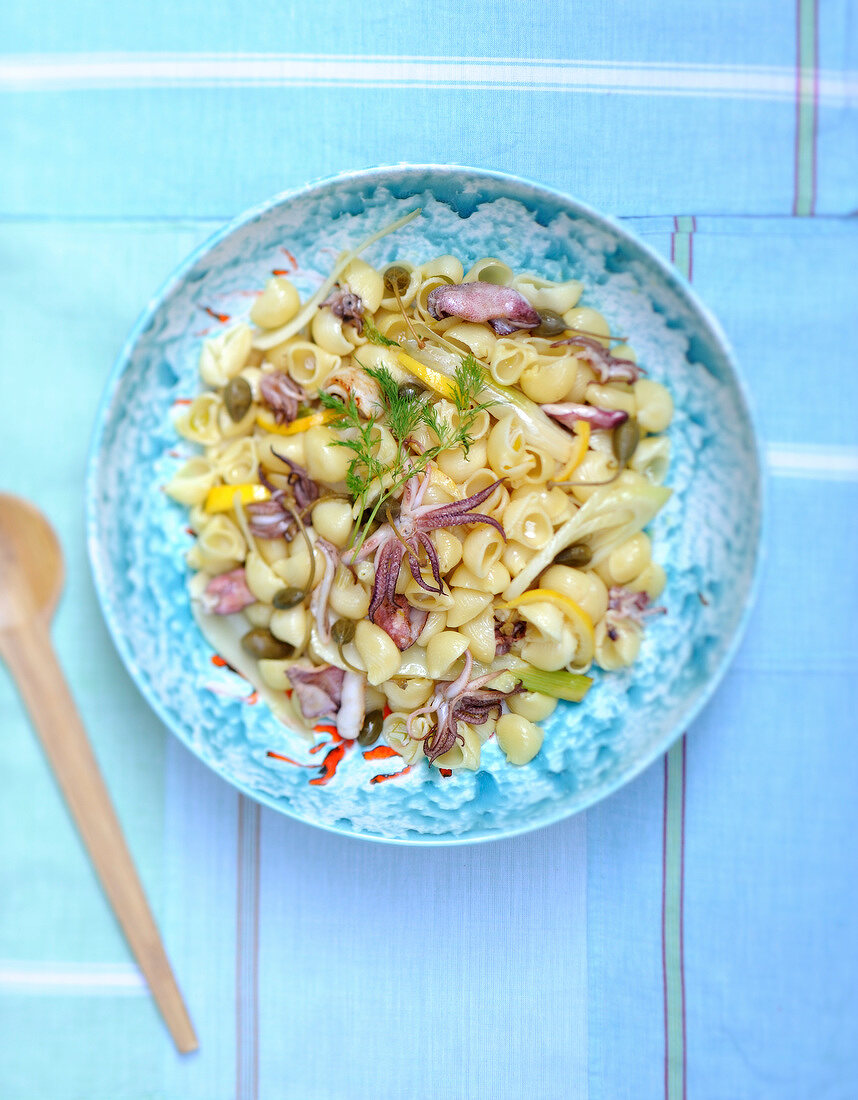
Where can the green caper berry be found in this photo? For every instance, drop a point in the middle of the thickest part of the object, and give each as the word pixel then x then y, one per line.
pixel 288 597
pixel 576 555
pixel 550 323
pixel 371 729
pixel 625 441
pixel 343 631
pixel 261 643
pixel 410 391
pixel 237 397
pixel 396 279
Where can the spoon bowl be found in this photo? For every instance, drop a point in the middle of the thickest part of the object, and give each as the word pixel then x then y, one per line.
pixel 31 563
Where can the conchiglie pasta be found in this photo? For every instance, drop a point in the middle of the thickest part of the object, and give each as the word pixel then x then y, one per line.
pixel 467 603
pixel 269 448
pixel 421 599
pixel 616 395
pixel 518 737
pixel 465 753
pixel 620 650
pixel 260 577
pixel 477 339
pixel 550 653
pixel 191 484
pixel 480 633
pixel 237 463
pixel 373 356
pixel 448 266
pixel 510 358
pixel 507 448
pixel 198 517
pixel 258 614
pixel 460 466
pixel 596 469
pixel 294 570
pixel 655 405
pixel 275 673
pixel 482 549
pixel 395 733
pixel 328 333
pixel 585 588
pixel 651 580
pixel 515 557
pixel 541 467
pixel 495 504
pixel 408 694
pixel 349 598
pixel 584 319
pixel 436 621
pixel 543 294
pixel 325 461
pixel 332 519
pixel 442 652
pixel 290 625
pixel 220 545
pixel 533 705
pixel 448 548
pixel 223 357
pixel 362 279
pixel 276 305
pixel 630 559
pixel 490 270
pixel 547 380
pixel 232 429
pixel 272 550
pixel 306 363
pixel 495 581
pixel 199 421
pixel 527 521
pixel 652 458
pixel 377 651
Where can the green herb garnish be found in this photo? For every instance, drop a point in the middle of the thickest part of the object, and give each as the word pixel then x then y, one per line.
pixel 374 336
pixel 367 478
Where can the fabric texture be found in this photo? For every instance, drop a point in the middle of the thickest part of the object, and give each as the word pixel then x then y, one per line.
pixel 695 934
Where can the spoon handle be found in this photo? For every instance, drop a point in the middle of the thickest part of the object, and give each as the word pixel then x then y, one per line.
pixel 34 665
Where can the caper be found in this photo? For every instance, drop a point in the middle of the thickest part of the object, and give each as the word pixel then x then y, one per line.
pixel 260 642
pixel 343 631
pixel 237 397
pixel 550 323
pixel 371 729
pixel 288 597
pixel 410 391
pixel 625 441
pixel 576 555
pixel 396 279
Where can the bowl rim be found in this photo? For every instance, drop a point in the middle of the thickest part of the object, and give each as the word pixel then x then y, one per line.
pixel 376 175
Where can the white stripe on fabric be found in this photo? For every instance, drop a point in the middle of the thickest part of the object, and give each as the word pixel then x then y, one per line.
pixel 87 979
pixel 813 461
pixel 45 72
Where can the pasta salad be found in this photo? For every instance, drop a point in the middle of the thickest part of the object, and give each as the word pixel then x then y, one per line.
pixel 420 504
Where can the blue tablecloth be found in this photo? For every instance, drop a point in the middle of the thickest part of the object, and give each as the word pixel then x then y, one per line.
pixel 695 934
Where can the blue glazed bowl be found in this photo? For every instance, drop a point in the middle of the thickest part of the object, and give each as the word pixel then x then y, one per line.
pixel 707 537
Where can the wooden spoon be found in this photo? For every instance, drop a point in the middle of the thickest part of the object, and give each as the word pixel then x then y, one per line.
pixel 31 579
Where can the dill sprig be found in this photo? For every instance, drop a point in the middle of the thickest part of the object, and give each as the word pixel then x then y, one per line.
pixel 373 483
pixel 374 336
